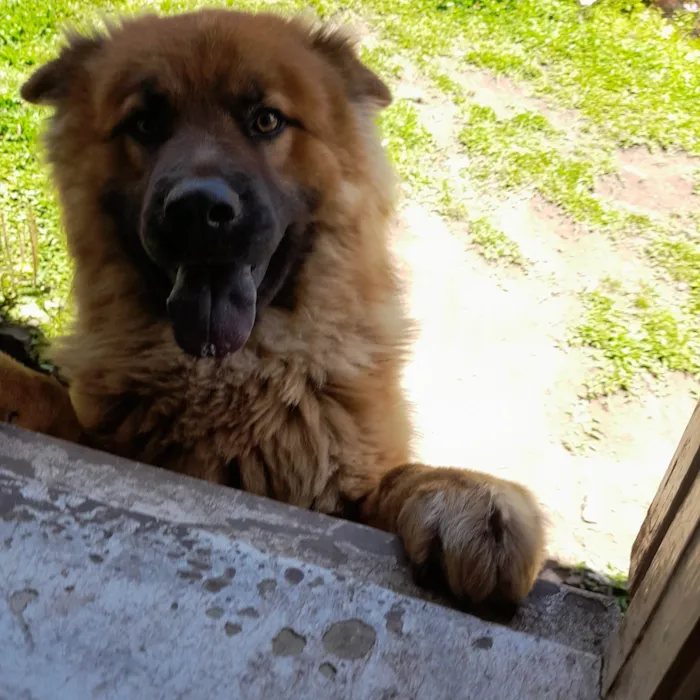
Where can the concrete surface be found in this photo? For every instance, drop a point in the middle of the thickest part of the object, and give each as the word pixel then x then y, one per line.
pixel 124 581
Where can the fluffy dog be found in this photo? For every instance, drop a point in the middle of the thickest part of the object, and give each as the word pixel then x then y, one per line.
pixel 226 201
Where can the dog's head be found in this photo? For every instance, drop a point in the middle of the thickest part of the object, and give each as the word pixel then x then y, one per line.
pixel 211 140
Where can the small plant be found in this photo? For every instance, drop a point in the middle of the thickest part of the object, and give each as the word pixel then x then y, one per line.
pixel 494 245
pixel 620 589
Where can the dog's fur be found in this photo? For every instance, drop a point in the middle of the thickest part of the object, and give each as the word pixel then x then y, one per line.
pixel 310 411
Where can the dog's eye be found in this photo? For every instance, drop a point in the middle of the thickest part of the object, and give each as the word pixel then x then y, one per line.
pixel 148 128
pixel 149 125
pixel 267 122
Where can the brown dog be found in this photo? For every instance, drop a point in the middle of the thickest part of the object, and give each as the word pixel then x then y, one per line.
pixel 238 319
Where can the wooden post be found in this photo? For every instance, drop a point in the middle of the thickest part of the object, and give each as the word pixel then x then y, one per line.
pixel 655 653
pixel 679 478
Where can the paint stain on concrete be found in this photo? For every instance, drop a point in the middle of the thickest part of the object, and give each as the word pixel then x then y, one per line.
pixel 214 585
pixel 19 600
pixel 328 670
pixel 215 613
pixel 482 643
pixel 349 639
pixel 189 575
pixel 249 612
pixel 199 564
pixel 232 629
pixel 267 587
pixel 394 620
pixel 293 576
pixel 288 643
pixel 96 558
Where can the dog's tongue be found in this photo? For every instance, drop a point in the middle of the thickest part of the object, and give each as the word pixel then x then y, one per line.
pixel 212 308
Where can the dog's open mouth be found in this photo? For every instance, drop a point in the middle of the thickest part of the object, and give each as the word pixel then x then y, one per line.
pixel 212 307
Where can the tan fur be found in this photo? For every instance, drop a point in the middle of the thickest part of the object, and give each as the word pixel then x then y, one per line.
pixel 311 408
pixel 35 402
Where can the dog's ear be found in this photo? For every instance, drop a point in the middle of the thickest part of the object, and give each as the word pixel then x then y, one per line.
pixel 338 47
pixel 54 81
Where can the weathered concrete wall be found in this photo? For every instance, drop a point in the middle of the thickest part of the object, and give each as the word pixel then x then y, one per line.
pixel 123 581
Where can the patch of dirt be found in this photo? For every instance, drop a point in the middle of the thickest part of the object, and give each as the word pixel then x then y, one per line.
pixel 438 116
pixel 580 258
pixel 505 97
pixel 654 182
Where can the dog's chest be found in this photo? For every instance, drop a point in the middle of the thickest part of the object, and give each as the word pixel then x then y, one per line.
pixel 273 423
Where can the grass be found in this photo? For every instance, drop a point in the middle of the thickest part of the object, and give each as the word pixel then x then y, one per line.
pixel 416 158
pixel 409 146
pixel 680 257
pixel 526 151
pixel 494 245
pixel 632 75
pixel 633 334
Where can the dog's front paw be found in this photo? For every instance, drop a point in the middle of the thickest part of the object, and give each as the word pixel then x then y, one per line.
pixel 35 402
pixel 484 537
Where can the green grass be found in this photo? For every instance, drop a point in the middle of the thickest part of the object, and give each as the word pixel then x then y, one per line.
pixel 633 76
pixel 415 156
pixel 409 146
pixel 680 257
pixel 634 333
pixel 27 204
pixel 494 245
pixel 526 151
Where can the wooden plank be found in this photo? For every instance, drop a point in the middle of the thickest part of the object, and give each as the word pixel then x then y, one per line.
pixel 679 478
pixel 690 690
pixel 653 588
pixel 663 657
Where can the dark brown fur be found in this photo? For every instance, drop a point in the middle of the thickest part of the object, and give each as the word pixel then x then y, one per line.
pixel 311 410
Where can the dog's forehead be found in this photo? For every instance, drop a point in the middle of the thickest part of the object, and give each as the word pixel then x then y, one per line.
pixel 193 56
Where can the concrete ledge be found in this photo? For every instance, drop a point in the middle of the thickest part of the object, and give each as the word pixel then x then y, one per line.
pixel 124 581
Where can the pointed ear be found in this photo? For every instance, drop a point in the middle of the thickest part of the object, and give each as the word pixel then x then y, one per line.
pixel 53 81
pixel 338 47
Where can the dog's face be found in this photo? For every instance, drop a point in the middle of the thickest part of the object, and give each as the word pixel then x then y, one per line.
pixel 219 137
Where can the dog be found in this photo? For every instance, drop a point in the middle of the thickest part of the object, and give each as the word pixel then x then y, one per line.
pixel 227 203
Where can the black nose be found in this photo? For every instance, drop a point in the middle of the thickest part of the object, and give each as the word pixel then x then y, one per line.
pixel 201 203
